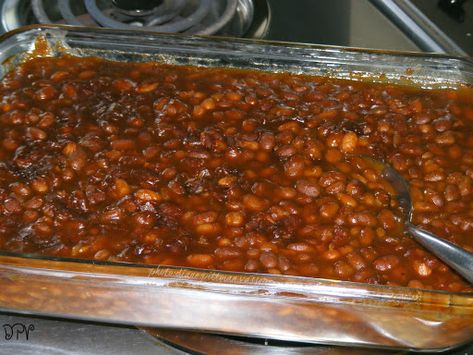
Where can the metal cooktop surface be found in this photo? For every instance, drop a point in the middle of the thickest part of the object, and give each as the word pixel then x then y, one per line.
pixel 53 336
pixel 432 25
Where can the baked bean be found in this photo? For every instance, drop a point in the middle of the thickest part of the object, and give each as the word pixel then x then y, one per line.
pixel 349 142
pixel 356 261
pixel 123 85
pixel 343 269
pixel 147 195
pixel 231 169
pixel 254 203
pixel 294 166
pixel 329 210
pixel 123 144
pixel 114 215
pixel 36 133
pixel 40 185
pixel 308 187
pixel 386 263
pixel 347 200
pixel 77 159
pixel 121 188
pixel 46 93
pixel 146 88
pixel 206 217
pixel 333 156
pixel 445 138
pixel 267 141
pixel 422 269
pixel 228 253
pixel 286 151
pixel 208 229
pixel 234 219
pixel 12 205
pixel 87 74
pixel 268 260
pixel 200 260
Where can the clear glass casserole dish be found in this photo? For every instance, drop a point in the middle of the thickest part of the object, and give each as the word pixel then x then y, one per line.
pixel 279 307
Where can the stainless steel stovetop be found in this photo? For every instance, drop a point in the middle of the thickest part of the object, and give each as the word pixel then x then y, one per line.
pixel 429 25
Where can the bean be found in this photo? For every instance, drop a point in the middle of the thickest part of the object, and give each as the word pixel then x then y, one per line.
pixel 387 219
pixel 422 269
pixel 329 210
pixel 148 195
pixel 36 133
pixel 112 216
pixel 59 75
pixel 208 229
pixel 123 85
pixel 123 144
pixel 40 185
pixel 335 188
pixel 234 219
pixel 77 159
pixel 228 253
pixel 12 205
pixel 20 189
pixel 452 193
pixel 349 142
pixel 347 200
pixel 121 188
pixel 308 187
pixel 251 265
pixel 227 181
pixel 102 254
pixel 386 263
pixel 362 219
pixel 267 141
pixel 445 138
pixel 343 269
pixel 47 119
pixel 254 203
pixel 356 261
pixel 199 260
pixel 294 166
pixel 268 260
pixel 333 156
pixel 34 203
pixel 45 93
pixel 434 176
pixel 286 151
pixel 205 217
pixel 301 247
pixel 87 74
pixel 146 88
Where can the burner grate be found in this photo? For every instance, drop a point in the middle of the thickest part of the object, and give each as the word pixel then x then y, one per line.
pixel 205 17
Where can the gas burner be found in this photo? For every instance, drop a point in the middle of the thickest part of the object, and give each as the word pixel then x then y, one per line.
pixel 249 18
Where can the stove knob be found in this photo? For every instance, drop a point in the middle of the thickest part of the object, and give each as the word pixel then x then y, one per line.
pixel 453 8
pixel 136 5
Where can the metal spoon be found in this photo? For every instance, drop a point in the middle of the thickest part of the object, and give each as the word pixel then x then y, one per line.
pixel 457 258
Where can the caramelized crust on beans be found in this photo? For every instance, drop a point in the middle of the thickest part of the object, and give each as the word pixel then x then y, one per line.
pixel 231 170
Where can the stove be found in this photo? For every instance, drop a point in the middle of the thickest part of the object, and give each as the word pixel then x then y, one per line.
pixel 430 25
pixel 427 25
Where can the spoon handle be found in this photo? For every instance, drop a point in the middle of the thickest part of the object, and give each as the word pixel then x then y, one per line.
pixel 457 258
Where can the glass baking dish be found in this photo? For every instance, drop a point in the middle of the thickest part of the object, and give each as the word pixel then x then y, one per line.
pixel 270 306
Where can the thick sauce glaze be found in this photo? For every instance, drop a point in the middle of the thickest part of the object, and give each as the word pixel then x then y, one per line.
pixel 230 169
